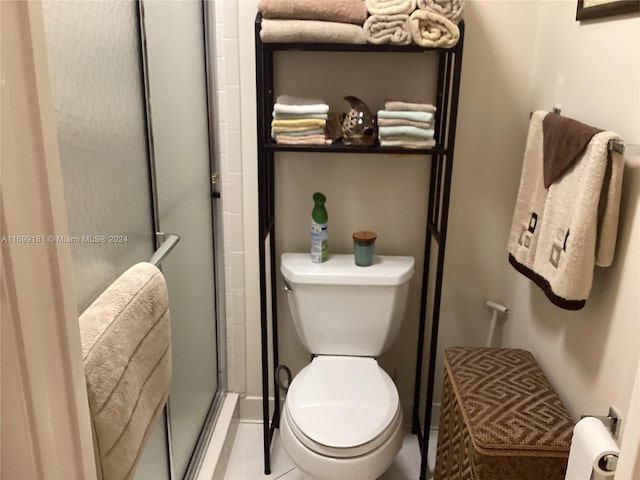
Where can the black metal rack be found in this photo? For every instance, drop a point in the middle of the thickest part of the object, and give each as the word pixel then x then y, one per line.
pixel 448 87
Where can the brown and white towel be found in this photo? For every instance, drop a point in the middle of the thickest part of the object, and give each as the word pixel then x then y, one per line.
pixel 432 30
pixel 388 29
pixel 126 348
pixel 343 11
pixel 310 31
pixel 559 234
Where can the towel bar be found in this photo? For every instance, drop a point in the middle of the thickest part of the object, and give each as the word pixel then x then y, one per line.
pixel 169 240
pixel 614 145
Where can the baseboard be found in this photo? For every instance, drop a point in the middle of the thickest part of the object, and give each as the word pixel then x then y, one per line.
pixel 407 410
pixel 251 411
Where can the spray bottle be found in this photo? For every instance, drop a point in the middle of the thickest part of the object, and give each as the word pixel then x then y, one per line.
pixel 319 234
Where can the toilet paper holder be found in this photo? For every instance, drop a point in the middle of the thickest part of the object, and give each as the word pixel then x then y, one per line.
pixel 608 463
pixel 612 421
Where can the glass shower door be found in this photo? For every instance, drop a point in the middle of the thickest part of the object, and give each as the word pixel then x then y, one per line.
pixel 134 146
pixel 177 109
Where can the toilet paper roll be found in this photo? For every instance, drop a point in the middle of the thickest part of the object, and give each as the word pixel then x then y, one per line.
pixel 590 444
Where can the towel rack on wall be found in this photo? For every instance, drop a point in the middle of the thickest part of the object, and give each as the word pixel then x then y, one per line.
pixel 169 240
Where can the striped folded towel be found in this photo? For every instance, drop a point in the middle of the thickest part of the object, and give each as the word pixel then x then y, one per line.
pixel 297 125
pixel 342 11
pixel 408 143
pixel 290 104
pixel 389 122
pixel 405 130
pixel 407 115
pixel 400 105
pixel 302 140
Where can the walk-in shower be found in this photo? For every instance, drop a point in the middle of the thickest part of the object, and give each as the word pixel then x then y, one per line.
pixel 133 97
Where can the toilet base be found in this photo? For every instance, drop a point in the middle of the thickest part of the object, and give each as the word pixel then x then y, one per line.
pixel 315 466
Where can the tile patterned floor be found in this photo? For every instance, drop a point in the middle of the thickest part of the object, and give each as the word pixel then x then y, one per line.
pixel 246 458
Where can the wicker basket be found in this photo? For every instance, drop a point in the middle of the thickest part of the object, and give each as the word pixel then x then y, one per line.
pixel 500 418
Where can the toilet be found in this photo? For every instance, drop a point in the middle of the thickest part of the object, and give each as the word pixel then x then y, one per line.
pixel 342 418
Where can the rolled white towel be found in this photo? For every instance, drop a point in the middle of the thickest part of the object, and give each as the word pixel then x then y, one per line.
pixel 383 29
pixel 432 30
pixel 451 9
pixel 390 7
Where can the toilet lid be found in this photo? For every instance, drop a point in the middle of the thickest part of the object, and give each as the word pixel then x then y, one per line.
pixel 342 402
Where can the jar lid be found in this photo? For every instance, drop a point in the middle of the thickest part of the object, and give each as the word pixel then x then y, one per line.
pixel 364 237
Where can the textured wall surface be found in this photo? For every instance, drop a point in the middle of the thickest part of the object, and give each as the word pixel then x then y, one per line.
pixel 94 65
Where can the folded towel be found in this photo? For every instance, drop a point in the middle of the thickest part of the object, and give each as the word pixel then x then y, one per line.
pixel 406 115
pixel 393 29
pixel 408 143
pixel 298 116
pixel 310 31
pixel 419 133
pixel 432 30
pixel 418 107
pixel 305 140
pixel 300 133
pixel 390 7
pixel 343 11
pixel 305 110
pixel 126 348
pixel 293 100
pixel 297 125
pixel 451 9
pixel 559 234
pixel 389 122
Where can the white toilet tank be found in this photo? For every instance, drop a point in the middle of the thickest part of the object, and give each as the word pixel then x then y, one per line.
pixel 339 308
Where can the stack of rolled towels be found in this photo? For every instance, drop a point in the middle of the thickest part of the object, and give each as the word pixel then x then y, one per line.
pixel 312 21
pixel 299 121
pixel 406 125
pixel 428 23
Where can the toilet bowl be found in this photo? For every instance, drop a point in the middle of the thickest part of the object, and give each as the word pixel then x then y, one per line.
pixel 342 418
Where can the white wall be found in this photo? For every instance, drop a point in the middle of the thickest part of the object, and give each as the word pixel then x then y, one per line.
pixel 229 151
pixel 593 71
pixel 518 56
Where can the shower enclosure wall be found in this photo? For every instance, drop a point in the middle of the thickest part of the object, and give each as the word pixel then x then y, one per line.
pixel 132 98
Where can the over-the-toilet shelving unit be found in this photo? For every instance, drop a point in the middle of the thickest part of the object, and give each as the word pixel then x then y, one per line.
pixel 441 157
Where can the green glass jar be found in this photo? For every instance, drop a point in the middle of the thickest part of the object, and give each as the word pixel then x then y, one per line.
pixel 363 247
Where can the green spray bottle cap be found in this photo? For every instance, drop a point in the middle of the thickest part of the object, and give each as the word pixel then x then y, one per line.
pixel 319 213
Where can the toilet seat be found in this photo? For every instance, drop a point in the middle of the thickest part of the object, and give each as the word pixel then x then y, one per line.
pixel 342 406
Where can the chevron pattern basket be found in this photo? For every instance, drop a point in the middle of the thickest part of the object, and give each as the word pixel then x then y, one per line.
pixel 500 418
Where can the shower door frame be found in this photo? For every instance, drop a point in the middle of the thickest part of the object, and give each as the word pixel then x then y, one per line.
pixel 208 27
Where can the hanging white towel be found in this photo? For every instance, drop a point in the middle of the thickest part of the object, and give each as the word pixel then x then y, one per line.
pixel 126 348
pixel 559 234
